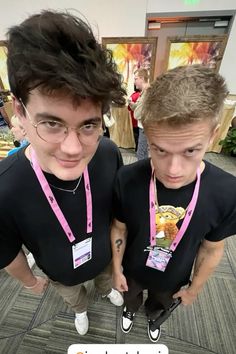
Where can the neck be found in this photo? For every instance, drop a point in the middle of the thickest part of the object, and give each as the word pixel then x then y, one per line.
pixel 27 154
pixel 145 86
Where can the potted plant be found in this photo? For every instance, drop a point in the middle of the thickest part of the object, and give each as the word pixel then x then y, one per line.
pixel 229 142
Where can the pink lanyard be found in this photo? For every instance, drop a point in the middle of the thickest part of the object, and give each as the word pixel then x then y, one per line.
pixel 187 218
pixel 53 203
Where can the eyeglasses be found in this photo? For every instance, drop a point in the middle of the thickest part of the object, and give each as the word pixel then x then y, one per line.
pixel 55 132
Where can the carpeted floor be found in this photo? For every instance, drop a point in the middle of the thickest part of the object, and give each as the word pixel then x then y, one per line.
pixel 31 324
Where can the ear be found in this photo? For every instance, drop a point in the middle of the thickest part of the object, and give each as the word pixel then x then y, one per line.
pixel 17 108
pixel 22 130
pixel 214 133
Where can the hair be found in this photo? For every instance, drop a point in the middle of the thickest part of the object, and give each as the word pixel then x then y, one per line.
pixel 143 73
pixel 57 53
pixel 184 95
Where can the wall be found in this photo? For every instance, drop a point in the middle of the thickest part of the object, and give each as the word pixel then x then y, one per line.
pixel 227 68
pixel 179 30
pixel 109 18
pixel 117 18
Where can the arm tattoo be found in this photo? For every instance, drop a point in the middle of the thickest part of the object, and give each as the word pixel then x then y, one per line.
pixel 118 244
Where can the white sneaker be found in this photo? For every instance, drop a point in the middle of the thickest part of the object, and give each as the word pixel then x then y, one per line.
pixel 81 323
pixel 126 320
pixel 115 297
pixel 154 334
pixel 30 260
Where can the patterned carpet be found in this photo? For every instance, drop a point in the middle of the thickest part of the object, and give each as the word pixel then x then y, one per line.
pixel 31 324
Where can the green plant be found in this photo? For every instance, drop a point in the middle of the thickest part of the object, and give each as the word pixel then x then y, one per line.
pixel 229 142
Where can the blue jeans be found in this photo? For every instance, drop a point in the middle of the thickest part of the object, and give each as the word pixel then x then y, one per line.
pixel 142 151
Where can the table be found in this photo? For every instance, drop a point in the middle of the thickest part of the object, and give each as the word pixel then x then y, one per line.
pixel 122 131
pixel 4 148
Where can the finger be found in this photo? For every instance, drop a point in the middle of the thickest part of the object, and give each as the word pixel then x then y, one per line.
pixel 124 287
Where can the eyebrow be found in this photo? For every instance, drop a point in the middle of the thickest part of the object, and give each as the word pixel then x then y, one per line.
pixel 45 116
pixel 188 148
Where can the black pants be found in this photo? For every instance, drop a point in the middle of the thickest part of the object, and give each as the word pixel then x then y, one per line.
pixel 154 305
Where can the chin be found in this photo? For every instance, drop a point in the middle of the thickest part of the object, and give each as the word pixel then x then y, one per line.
pixel 68 174
pixel 173 185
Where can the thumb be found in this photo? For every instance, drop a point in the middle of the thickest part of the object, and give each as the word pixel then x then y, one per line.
pixel 178 294
pixel 125 286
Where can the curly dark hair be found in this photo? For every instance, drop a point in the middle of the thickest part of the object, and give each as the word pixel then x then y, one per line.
pixel 57 52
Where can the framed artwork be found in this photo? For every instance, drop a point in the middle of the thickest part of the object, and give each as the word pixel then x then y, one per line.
pixel 207 50
pixel 4 84
pixel 130 54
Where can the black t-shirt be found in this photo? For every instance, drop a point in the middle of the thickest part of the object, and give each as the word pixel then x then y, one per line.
pixel 214 219
pixel 26 217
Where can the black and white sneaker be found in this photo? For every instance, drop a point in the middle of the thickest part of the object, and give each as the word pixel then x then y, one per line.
pixel 126 322
pixel 153 333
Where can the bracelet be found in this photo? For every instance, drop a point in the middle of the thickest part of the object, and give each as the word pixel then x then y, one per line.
pixel 32 287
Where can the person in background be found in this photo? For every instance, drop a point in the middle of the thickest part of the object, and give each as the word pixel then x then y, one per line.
pixel 19 134
pixel 109 121
pixel 4 119
pixel 174 210
pixel 131 106
pixel 141 82
pixel 61 183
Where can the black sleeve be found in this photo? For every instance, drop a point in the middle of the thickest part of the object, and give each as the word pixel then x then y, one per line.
pixel 225 229
pixel 10 242
pixel 117 200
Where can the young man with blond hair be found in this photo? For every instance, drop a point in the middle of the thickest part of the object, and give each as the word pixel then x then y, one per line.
pixel 173 209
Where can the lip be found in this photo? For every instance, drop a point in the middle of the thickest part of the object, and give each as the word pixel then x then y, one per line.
pixel 173 179
pixel 68 163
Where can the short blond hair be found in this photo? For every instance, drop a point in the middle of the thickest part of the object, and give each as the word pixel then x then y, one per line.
pixel 143 73
pixel 184 95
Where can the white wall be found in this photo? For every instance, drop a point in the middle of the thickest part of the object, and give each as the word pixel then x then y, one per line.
pixel 122 18
pixel 227 68
pixel 180 5
pixel 109 18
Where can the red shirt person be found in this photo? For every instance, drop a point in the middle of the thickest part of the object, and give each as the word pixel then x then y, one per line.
pixel 131 107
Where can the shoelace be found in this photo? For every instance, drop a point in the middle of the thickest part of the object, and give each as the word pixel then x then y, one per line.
pixel 129 315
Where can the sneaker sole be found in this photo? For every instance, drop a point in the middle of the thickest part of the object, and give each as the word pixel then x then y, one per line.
pixel 154 340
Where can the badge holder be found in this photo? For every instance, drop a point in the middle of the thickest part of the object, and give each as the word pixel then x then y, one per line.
pixel 158 258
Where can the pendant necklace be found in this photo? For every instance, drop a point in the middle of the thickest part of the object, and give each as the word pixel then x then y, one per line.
pixel 68 190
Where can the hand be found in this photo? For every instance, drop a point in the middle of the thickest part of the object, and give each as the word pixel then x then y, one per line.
pixel 41 284
pixel 120 282
pixel 187 295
